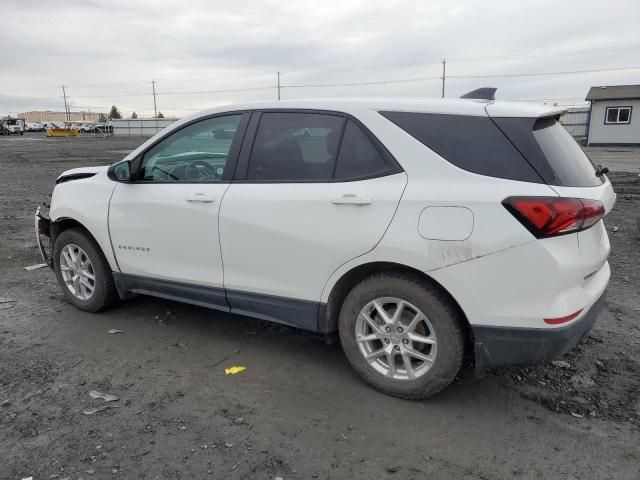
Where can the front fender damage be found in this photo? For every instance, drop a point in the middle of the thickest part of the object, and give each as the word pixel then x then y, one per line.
pixel 43 233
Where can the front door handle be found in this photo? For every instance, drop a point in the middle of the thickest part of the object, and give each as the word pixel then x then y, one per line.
pixel 200 198
pixel 352 199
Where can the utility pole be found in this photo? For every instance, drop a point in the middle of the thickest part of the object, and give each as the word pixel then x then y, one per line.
pixel 66 107
pixel 444 74
pixel 155 107
pixel 278 75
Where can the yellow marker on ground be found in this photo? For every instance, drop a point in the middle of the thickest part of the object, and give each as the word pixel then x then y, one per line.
pixel 235 369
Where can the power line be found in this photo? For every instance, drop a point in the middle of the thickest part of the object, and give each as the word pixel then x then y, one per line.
pixel 377 66
pixel 340 84
pixel 541 74
pixel 545 55
pixel 467 59
pixel 421 79
pixel 231 90
pixel 201 92
pixel 358 84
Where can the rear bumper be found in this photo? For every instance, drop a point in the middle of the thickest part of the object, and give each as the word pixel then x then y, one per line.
pixel 504 346
pixel 43 236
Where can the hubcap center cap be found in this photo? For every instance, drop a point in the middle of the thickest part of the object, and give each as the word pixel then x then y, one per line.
pixel 395 338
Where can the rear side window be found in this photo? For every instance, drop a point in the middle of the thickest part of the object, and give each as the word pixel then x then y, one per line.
pixel 472 143
pixel 295 147
pixel 359 158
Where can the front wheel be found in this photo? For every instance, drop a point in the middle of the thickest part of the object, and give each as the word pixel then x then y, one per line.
pixel 83 272
pixel 402 336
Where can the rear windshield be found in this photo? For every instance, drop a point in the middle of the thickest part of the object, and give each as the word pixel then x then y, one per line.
pixel 571 165
pixel 524 149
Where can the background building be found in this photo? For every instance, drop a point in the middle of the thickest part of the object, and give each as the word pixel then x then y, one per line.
pixel 49 116
pixel 576 121
pixel 140 126
pixel 615 115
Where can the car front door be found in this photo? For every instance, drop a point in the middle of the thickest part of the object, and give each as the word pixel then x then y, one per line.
pixel 312 191
pixel 164 225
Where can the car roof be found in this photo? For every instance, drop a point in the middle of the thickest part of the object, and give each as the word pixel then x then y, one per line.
pixel 451 106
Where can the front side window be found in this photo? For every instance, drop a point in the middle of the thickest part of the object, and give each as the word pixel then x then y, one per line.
pixel 295 147
pixel 196 153
pixel 618 115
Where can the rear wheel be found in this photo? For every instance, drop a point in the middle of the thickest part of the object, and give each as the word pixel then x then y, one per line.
pixel 83 272
pixel 402 336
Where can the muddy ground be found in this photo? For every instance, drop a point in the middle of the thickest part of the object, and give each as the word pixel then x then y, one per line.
pixel 298 411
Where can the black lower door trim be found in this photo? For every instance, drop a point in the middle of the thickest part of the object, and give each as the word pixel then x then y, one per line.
pixel 209 297
pixel 288 311
pixel 302 314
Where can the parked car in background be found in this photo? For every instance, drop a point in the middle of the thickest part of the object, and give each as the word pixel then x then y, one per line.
pixel 421 231
pixel 104 128
pixel 87 127
pixel 11 126
pixel 54 125
pixel 34 127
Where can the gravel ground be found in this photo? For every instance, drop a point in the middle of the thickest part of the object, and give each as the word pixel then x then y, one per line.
pixel 298 411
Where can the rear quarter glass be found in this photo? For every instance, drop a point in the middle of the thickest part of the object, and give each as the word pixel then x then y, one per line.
pixel 527 149
pixel 472 143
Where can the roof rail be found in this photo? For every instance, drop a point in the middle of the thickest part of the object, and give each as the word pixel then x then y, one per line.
pixel 484 93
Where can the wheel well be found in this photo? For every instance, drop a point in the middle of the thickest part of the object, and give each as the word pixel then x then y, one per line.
pixel 63 224
pixel 356 275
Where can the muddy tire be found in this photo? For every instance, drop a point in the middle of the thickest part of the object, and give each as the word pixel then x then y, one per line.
pixel 402 335
pixel 83 272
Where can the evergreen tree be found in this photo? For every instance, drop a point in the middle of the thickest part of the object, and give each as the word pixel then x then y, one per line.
pixel 115 113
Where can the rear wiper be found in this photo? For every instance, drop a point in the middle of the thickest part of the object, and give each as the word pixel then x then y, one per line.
pixel 600 171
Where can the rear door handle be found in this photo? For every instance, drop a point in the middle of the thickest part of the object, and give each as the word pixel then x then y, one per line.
pixel 200 198
pixel 352 199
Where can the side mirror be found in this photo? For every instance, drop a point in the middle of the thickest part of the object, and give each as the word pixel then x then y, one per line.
pixel 120 172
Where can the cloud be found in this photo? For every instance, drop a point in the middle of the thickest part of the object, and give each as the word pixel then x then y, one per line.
pixel 108 52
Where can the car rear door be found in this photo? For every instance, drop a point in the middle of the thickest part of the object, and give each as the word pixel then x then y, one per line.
pixel 312 191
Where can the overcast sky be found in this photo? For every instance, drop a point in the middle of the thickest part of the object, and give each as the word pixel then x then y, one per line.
pixel 108 51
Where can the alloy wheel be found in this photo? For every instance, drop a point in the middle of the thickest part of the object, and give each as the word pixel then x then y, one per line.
pixel 396 338
pixel 77 272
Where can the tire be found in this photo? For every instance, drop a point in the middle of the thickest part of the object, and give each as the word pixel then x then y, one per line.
pixel 444 325
pixel 104 294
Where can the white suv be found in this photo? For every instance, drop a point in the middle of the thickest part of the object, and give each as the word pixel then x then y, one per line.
pixel 420 230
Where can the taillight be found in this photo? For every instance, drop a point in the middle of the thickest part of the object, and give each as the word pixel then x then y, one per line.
pixel 551 216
